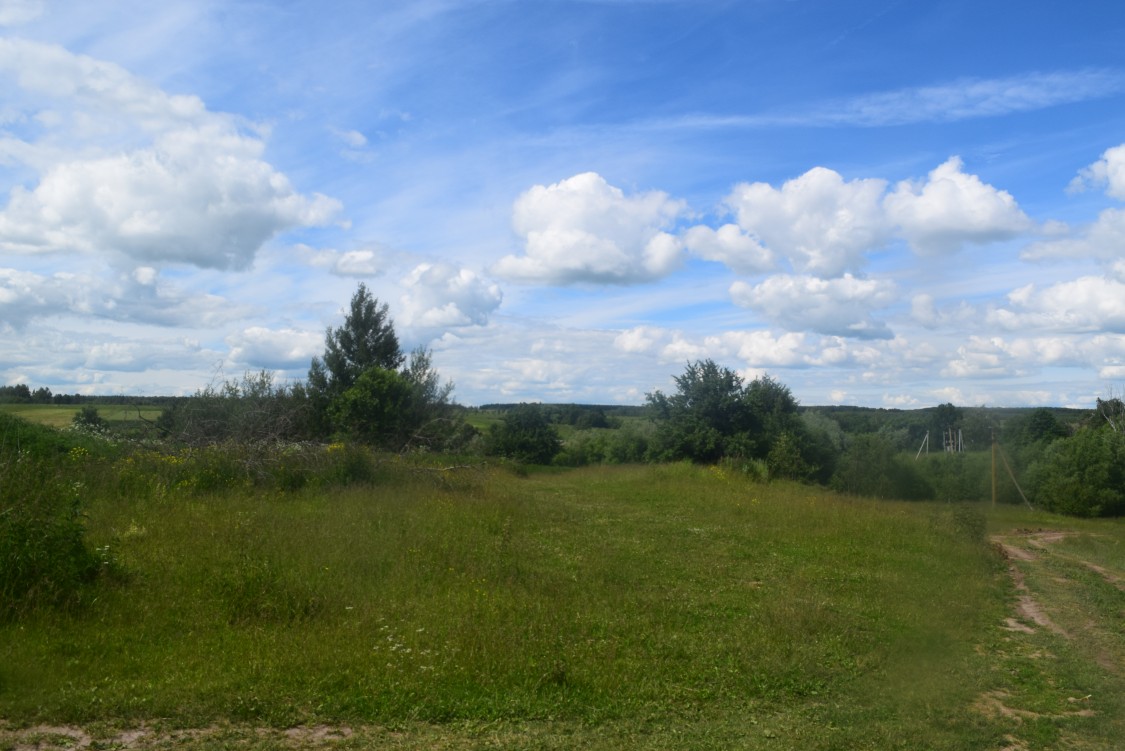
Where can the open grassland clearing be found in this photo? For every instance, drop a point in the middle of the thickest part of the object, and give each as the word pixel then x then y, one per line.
pixel 62 415
pixel 667 606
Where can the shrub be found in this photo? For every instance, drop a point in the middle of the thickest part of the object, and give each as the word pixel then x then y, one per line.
pixel 784 459
pixel 250 411
pixel 715 415
pixel 708 417
pixel 1083 475
pixel 346 464
pixel 88 417
pixel 44 559
pixel 524 435
pixel 627 445
pixel 582 448
pixel 374 409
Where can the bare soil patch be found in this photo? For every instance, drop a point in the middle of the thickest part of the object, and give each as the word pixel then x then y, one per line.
pixel 1030 612
pixel 70 737
pixel 1028 609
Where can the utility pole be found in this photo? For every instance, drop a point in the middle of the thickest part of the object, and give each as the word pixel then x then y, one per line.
pixel 994 468
pixel 925 445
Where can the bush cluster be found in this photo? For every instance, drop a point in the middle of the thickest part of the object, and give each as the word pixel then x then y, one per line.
pixel 44 558
pixel 714 415
pixel 524 435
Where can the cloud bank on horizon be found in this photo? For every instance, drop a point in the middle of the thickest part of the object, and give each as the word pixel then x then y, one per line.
pixel 567 201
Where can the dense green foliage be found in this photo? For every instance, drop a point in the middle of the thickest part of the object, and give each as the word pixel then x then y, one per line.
pixel 88 418
pixel 374 408
pixel 708 417
pixel 524 435
pixel 871 467
pixel 45 560
pixel 361 389
pixel 366 340
pixel 628 444
pixel 714 415
pixel 1083 475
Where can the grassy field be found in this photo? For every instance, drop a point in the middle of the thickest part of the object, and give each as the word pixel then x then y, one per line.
pixel 627 607
pixel 62 415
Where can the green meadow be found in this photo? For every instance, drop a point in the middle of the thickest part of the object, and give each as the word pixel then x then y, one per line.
pixel 421 603
pixel 62 415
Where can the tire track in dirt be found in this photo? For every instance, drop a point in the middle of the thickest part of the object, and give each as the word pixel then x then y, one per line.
pixel 1033 547
pixel 1027 607
pixel 1041 541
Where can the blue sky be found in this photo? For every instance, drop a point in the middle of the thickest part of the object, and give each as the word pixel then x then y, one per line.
pixel 890 204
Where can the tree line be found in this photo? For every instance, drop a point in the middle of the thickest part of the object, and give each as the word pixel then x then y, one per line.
pixel 365 389
pixel 21 393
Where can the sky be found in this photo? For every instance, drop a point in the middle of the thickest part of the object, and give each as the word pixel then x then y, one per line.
pixel 880 203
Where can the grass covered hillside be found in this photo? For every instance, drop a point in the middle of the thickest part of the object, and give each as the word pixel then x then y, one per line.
pixel 664 606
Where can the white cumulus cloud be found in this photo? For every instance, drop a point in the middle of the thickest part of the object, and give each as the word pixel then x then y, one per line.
pixel 440 296
pixel 1102 240
pixel 729 245
pixel 763 349
pixel 987 357
pixel 837 307
pixel 639 339
pixel 583 229
pixel 149 178
pixel 363 262
pixel 821 223
pixel 1109 171
pixel 1090 303
pixel 826 226
pixel 259 347
pixel 952 209
pixel 135 297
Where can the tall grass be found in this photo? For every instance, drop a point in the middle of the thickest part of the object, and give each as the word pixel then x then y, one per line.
pixel 641 595
pixel 45 561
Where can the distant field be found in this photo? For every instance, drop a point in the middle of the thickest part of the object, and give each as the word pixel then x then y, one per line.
pixel 482 420
pixel 61 415
pixel 656 607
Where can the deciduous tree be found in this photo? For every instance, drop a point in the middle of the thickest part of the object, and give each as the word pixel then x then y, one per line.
pixel 706 419
pixel 714 414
